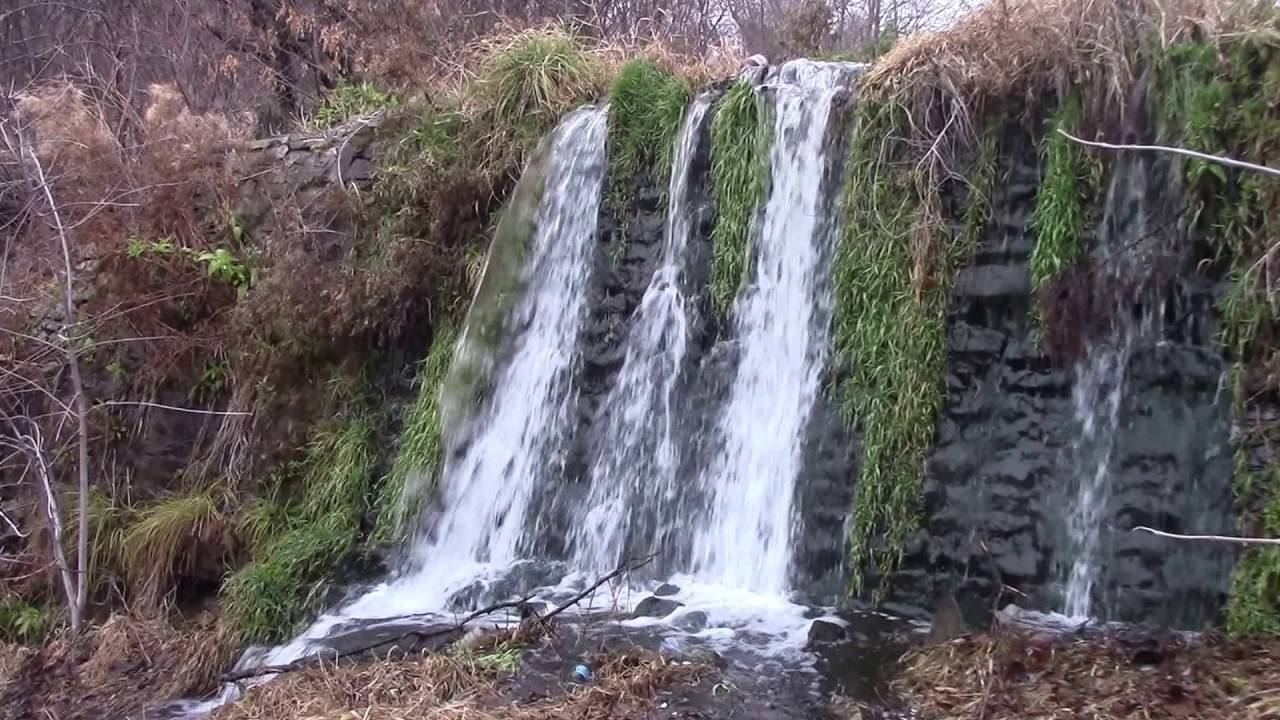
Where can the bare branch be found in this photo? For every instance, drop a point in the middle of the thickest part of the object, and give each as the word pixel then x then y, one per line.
pixel 1209 538
pixel 1176 151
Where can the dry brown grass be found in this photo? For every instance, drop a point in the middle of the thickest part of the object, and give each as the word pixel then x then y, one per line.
pixel 116 668
pixel 456 688
pixel 1009 676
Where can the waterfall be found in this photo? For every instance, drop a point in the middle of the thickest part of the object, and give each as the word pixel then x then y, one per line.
pixel 633 473
pixel 517 435
pixel 780 323
pixel 1096 398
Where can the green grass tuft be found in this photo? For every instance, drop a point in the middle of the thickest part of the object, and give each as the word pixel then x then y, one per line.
pixel 1061 211
pixel 167 539
pixel 348 100
pixel 646 104
pixel 417 462
pixel 267 598
pixel 891 330
pixel 740 140
pixel 529 80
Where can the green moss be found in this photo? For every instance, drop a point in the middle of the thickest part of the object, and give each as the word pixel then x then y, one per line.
pixel 1061 211
pixel 890 328
pixel 267 598
pixel 417 461
pixel 740 140
pixel 348 100
pixel 646 104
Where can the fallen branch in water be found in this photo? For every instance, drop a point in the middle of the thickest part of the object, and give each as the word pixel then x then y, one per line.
pixel 428 633
pixel 1210 538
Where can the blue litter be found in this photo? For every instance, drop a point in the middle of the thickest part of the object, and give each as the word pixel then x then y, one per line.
pixel 582 673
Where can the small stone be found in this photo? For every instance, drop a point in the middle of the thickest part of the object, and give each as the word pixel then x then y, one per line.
pixel 656 607
pixel 666 590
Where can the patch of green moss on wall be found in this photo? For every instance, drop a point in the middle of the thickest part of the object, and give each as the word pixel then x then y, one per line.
pixel 741 136
pixel 288 577
pixel 416 465
pixel 646 104
pixel 1225 100
pixel 890 323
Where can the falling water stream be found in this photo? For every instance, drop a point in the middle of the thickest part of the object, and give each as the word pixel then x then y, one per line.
pixel 639 450
pixel 780 325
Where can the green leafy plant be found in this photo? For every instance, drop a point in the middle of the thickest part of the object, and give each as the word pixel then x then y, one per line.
pixel 139 246
pixel 741 136
pixel 222 264
pixel 23 622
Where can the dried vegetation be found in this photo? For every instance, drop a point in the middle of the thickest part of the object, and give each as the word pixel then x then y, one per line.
pixel 1011 676
pixel 459 687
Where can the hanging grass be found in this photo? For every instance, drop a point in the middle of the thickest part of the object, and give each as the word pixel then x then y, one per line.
pixel 1062 201
pixel 416 466
pixel 741 136
pixel 646 104
pixel 890 325
pixel 168 539
pixel 270 596
pixel 1222 98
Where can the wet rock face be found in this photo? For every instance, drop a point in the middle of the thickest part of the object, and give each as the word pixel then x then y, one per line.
pixel 1000 484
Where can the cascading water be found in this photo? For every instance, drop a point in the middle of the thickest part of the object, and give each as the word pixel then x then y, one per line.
pixel 519 432
pixel 1125 252
pixel 1096 398
pixel 633 474
pixel 781 328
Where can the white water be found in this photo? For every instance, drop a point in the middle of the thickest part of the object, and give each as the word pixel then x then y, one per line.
pixel 781 326
pixel 638 457
pixel 486 487
pixel 1096 397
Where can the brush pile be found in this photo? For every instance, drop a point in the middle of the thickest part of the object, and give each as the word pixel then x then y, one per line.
pixel 1019 676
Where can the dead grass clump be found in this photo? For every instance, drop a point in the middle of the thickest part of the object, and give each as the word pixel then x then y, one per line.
pixel 117 668
pixel 1013 676
pixel 457 687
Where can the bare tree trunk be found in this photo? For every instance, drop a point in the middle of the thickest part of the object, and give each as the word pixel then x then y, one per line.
pixel 77 604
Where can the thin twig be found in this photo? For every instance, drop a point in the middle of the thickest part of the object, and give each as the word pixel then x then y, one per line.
pixel 143 403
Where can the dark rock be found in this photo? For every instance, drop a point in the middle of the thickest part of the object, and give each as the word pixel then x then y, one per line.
pixel 656 607
pixel 666 590
pixel 827 630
